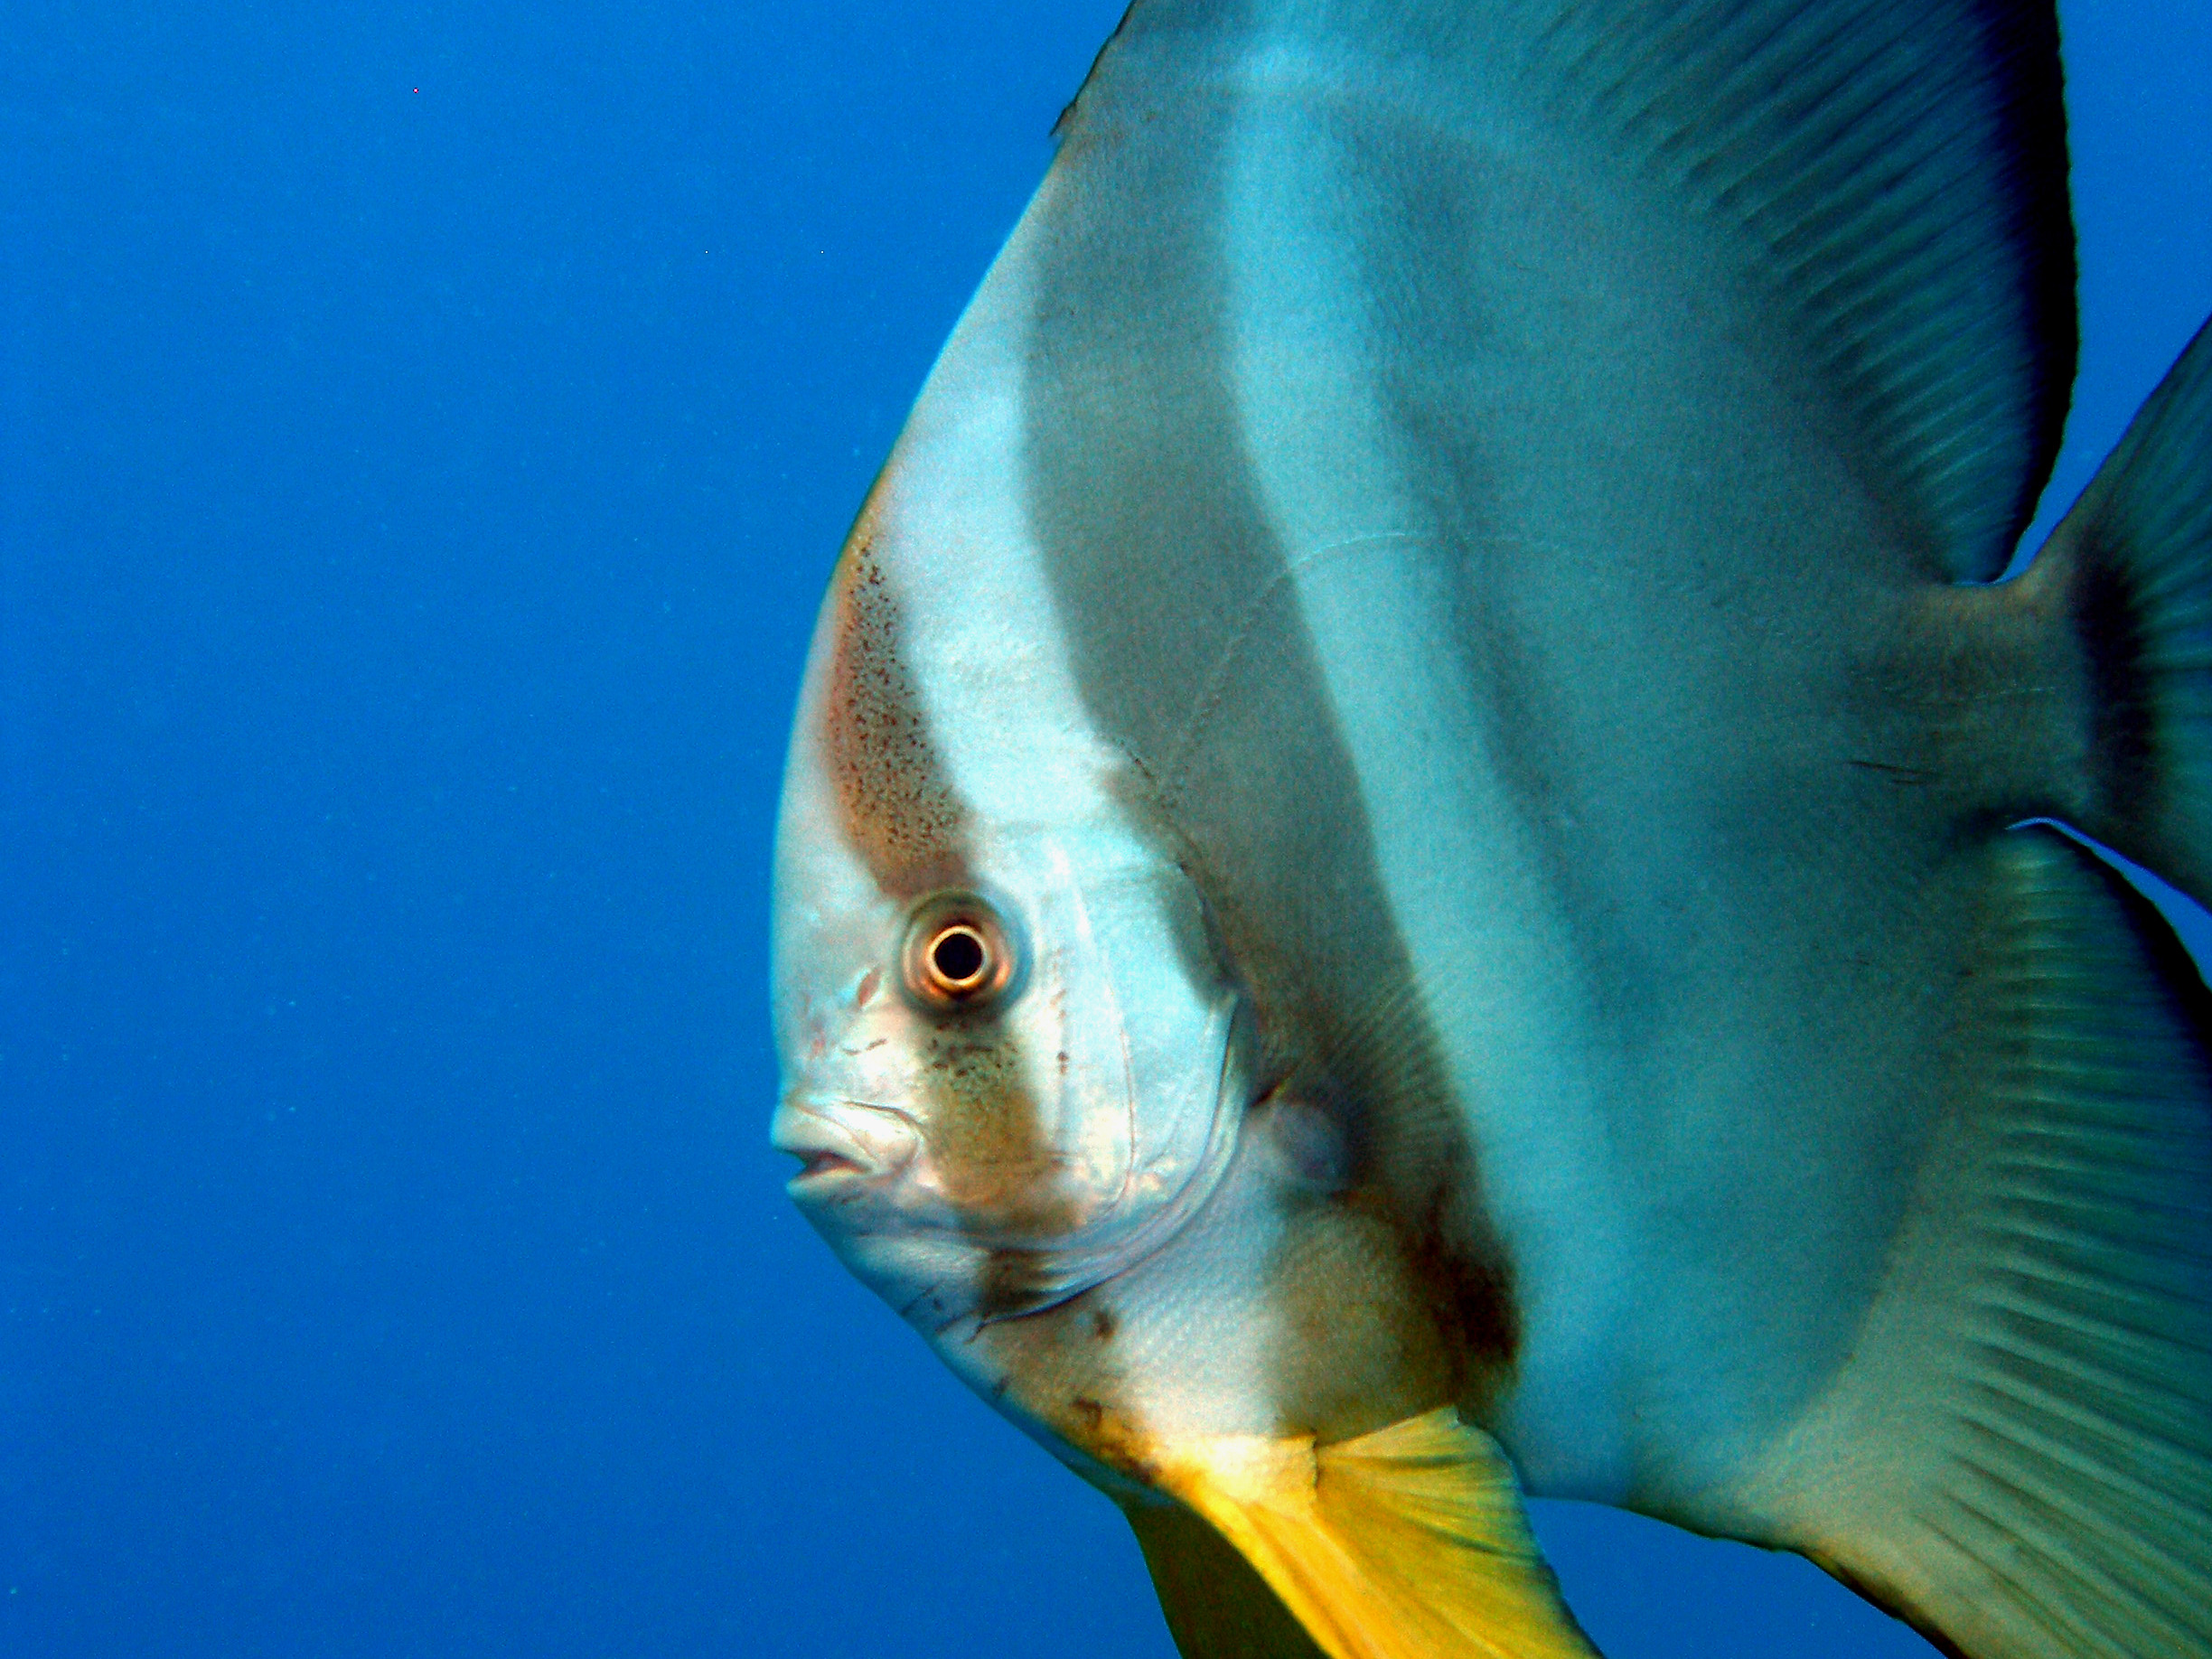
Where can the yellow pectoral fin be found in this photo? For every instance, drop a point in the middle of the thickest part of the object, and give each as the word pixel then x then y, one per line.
pixel 1406 1543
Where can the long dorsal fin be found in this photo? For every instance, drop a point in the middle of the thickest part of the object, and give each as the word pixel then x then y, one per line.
pixel 1893 173
pixel 2018 1456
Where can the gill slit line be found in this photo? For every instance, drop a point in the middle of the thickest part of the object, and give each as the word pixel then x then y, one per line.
pixel 1066 874
pixel 1119 1256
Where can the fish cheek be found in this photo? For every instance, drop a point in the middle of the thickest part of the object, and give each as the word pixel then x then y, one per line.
pixel 999 1173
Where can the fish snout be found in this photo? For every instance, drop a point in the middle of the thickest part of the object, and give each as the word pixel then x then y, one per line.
pixel 844 1146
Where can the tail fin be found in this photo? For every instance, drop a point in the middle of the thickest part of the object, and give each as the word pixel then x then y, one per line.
pixel 2134 560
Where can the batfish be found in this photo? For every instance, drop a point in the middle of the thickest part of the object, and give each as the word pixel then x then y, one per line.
pixel 1426 854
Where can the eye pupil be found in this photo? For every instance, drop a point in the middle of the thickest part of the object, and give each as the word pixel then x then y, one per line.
pixel 959 957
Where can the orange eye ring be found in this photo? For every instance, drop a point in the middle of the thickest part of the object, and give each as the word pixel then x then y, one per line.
pixel 957 954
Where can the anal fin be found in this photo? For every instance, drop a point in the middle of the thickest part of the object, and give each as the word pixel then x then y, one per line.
pixel 2018 1455
pixel 1406 1543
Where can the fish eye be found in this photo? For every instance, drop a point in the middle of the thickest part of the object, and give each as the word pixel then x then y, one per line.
pixel 958 955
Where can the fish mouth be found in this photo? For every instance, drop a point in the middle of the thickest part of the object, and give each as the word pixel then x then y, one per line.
pixel 844 1146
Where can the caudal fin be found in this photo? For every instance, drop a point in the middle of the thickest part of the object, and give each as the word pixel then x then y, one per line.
pixel 2134 562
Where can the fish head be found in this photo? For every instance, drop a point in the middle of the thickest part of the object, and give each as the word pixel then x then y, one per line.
pixel 1012 1061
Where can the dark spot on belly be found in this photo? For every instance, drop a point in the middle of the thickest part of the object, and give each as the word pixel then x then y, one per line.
pixel 1102 1324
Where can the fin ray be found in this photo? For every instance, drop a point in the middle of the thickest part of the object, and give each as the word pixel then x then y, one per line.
pixel 1406 1543
pixel 2018 1455
pixel 1890 173
pixel 2133 561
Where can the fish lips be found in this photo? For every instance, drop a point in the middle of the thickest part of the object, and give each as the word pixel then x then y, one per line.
pixel 855 1186
pixel 848 1150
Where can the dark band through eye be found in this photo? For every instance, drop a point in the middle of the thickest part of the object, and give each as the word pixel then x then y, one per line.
pixel 959 956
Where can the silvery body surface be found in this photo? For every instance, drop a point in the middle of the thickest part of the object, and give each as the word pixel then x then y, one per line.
pixel 1429 634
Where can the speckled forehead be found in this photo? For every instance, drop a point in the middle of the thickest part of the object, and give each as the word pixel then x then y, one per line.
pixel 953 706
pixel 896 806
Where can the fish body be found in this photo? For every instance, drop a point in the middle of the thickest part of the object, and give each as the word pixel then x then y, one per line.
pixel 1400 876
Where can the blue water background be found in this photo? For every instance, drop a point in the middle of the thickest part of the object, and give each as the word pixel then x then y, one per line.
pixel 424 432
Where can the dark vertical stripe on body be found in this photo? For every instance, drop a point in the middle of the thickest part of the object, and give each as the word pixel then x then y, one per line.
pixel 900 812
pixel 896 806
pixel 1190 651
